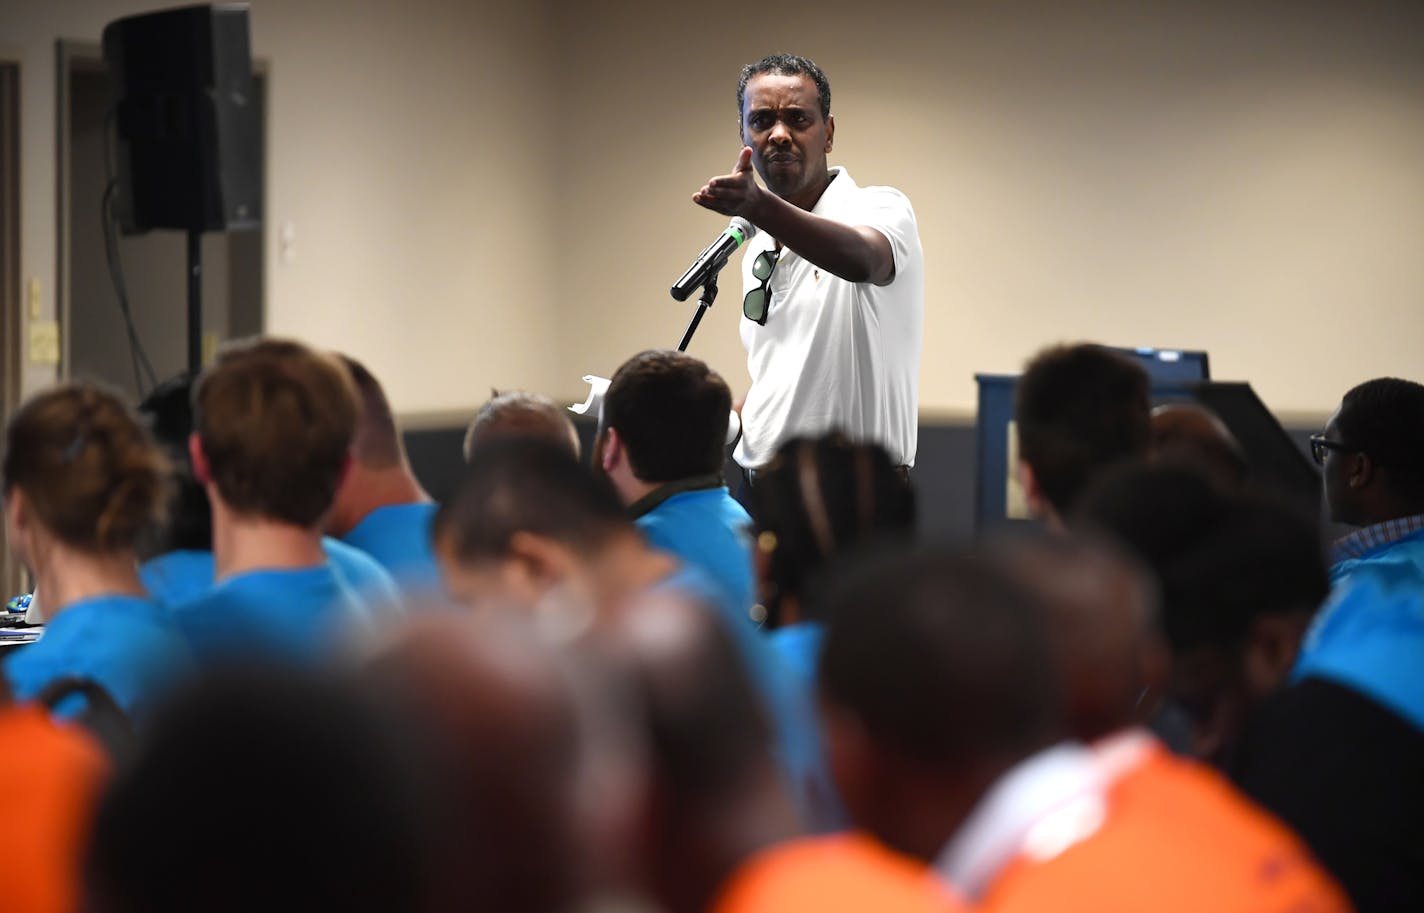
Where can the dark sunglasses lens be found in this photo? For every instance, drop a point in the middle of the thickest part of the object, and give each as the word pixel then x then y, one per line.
pixel 762 266
pixel 754 305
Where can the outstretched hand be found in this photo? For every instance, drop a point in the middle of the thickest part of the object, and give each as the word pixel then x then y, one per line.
pixel 734 194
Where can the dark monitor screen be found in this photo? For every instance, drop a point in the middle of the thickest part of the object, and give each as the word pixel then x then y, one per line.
pixel 1171 366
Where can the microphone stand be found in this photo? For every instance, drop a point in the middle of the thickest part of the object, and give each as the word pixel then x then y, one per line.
pixel 709 295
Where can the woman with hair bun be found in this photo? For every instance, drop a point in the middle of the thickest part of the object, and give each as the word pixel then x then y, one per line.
pixel 83 481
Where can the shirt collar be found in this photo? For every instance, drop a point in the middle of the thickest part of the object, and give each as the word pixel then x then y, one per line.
pixel 1040 807
pixel 658 495
pixel 1363 541
pixel 840 185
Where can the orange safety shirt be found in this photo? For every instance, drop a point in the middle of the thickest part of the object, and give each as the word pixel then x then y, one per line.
pixel 54 773
pixel 1176 838
pixel 842 873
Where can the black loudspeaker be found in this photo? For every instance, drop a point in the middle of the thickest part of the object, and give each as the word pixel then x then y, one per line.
pixel 188 124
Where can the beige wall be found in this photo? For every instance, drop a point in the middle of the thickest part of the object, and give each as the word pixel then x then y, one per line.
pixel 406 149
pixel 500 194
pixel 1244 178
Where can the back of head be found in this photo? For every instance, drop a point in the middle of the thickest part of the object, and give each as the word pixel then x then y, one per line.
pixel 491 708
pixel 527 485
pixel 817 500
pixel 1101 610
pixel 942 659
pixel 703 718
pixel 670 410
pixel 1193 436
pixel 1384 419
pixel 87 467
pixel 1223 560
pixel 263 792
pixel 1079 409
pixel 168 410
pixel 377 444
pixel 516 413
pixel 276 421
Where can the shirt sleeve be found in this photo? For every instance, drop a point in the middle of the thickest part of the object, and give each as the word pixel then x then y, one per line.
pixel 888 211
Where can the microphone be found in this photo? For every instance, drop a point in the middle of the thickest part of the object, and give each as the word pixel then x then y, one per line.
pixel 713 258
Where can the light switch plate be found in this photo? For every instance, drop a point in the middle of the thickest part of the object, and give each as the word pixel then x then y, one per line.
pixel 44 342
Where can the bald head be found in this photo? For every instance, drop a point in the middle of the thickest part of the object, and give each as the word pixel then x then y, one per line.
pixel 1100 608
pixel 518 414
pixel 1187 434
pixel 501 734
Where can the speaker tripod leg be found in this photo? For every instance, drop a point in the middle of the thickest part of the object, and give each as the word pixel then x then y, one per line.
pixel 195 302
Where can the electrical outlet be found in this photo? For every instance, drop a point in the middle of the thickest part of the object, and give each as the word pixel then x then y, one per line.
pixel 44 342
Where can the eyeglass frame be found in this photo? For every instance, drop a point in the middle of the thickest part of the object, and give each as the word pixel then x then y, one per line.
pixel 1320 445
pixel 772 256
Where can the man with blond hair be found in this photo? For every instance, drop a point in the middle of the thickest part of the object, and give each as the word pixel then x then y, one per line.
pixel 273 433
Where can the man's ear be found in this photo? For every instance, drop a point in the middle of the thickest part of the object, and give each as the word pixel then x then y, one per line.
pixel 830 131
pixel 1039 507
pixel 1272 645
pixel 201 473
pixel 1361 470
pixel 538 562
pixel 611 453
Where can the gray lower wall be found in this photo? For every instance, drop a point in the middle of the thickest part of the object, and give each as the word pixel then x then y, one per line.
pixel 944 473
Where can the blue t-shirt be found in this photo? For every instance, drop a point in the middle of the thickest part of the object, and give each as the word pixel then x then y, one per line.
pixel 398 536
pixel 790 705
pixel 1369 635
pixel 126 644
pixel 707 529
pixel 288 615
pixel 179 577
pixel 799 647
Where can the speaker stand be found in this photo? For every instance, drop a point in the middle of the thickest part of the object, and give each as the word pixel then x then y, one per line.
pixel 195 302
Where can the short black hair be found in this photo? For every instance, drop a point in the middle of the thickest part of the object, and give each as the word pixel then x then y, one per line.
pixel 189 524
pixel 786 65
pixel 1079 409
pixel 819 498
pixel 943 658
pixel 1384 419
pixel 307 771
pixel 1223 559
pixel 527 485
pixel 671 412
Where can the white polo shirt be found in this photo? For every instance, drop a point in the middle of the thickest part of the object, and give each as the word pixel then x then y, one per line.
pixel 837 355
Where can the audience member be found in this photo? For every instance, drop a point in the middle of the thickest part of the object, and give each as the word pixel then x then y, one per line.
pixel 495 712
pixel 816 501
pixel 662 442
pixel 720 832
pixel 1337 754
pixel 276 792
pixel 1372 454
pixel 516 413
pixel 178 560
pixel 531 526
pixel 274 424
pixel 380 507
pixel 1187 434
pixel 1241 578
pixel 83 481
pixel 956 758
pixel 1079 409
pixel 1100 615
pixel 55 774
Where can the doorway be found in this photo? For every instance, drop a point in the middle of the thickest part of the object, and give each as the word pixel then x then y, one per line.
pixel 10 321
pixel 153 265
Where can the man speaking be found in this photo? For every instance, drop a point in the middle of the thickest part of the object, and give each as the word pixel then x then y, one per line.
pixel 834 281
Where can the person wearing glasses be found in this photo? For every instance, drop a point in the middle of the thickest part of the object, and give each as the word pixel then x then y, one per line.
pixel 834 303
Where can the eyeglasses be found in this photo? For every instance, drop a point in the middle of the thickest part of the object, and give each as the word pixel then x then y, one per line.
pixel 1320 445
pixel 758 301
